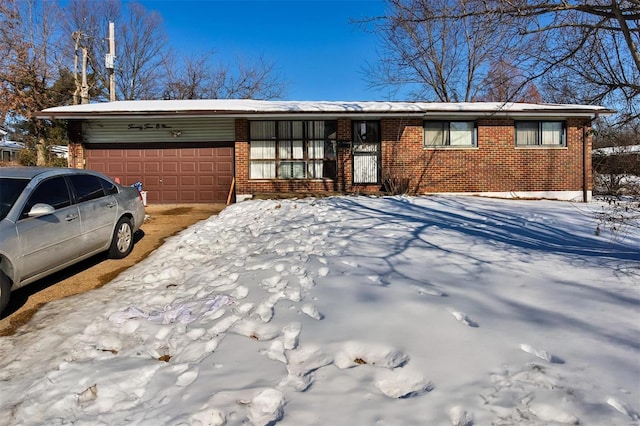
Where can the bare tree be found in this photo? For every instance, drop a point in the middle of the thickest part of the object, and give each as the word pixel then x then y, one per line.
pixel 437 57
pixel 585 51
pixel 188 80
pixel 139 67
pixel 29 64
pixel 199 76
pixel 505 82
pixel 250 80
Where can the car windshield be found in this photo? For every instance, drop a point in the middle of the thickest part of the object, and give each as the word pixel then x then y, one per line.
pixel 10 190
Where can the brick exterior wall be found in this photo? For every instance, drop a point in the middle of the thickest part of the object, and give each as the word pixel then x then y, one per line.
pixel 495 165
pixel 76 148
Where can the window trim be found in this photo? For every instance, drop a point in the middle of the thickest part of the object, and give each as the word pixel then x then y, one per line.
pixel 445 128
pixel 539 134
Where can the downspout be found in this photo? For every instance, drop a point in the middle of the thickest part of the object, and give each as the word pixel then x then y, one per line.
pixel 585 180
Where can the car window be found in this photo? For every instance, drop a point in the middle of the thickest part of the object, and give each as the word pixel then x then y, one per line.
pixel 109 187
pixel 10 190
pixel 53 191
pixel 87 187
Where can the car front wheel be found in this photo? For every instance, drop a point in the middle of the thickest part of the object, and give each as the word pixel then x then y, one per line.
pixel 122 241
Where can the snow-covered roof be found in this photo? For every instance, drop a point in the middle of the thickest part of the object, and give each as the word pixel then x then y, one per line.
pixel 618 150
pixel 12 145
pixel 249 107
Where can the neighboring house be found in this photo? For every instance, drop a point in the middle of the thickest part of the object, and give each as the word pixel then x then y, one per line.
pixel 60 151
pixel 9 149
pixel 207 150
pixel 622 159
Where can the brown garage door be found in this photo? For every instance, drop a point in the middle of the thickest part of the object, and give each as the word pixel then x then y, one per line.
pixel 169 175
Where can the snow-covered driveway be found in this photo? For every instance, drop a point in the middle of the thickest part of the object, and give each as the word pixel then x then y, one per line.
pixel 348 311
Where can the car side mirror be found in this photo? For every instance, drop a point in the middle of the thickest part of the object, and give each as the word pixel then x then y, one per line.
pixel 41 209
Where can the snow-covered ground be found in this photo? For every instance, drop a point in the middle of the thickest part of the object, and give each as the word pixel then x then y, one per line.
pixel 348 311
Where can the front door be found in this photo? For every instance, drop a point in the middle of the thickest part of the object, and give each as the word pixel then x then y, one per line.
pixel 366 152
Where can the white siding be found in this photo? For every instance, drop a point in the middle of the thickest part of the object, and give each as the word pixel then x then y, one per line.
pixel 159 130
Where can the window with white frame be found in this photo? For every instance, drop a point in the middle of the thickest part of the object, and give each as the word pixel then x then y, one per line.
pixel 447 134
pixel 292 149
pixel 540 133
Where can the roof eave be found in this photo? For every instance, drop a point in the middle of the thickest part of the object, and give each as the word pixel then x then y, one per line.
pixel 225 114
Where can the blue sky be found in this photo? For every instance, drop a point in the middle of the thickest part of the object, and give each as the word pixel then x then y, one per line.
pixel 315 48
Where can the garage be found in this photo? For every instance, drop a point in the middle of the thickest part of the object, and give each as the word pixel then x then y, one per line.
pixel 198 174
pixel 177 159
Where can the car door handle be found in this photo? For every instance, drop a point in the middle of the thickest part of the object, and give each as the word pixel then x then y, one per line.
pixel 71 217
pixel 111 205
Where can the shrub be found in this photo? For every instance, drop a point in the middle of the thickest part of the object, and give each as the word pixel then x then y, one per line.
pixel 56 161
pixel 28 157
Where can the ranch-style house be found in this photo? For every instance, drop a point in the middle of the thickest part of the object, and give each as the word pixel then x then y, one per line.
pixel 204 151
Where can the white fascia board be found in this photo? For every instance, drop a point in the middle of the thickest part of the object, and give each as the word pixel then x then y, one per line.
pixel 557 115
pixel 253 108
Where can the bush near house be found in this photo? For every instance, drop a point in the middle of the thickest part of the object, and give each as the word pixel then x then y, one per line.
pixel 617 170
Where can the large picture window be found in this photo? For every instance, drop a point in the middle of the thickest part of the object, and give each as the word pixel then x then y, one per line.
pixel 543 133
pixel 449 134
pixel 292 149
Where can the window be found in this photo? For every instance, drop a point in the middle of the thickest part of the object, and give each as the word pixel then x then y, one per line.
pixel 87 187
pixel 546 133
pixel 449 134
pixel 292 149
pixel 53 192
pixel 10 190
pixel 109 187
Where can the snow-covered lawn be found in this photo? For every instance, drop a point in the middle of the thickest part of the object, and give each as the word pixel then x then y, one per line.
pixel 348 311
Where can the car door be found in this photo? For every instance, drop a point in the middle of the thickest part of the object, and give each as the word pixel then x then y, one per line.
pixel 98 212
pixel 51 240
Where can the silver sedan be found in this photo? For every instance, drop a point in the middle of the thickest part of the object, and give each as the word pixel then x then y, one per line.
pixel 51 218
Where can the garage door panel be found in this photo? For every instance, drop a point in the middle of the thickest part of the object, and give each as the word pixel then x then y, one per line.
pixel 206 181
pixel 188 167
pixel 115 154
pixel 170 166
pixel 113 168
pixel 169 175
pixel 170 197
pixel 133 167
pixel 151 167
pixel 188 181
pixel 224 168
pixel 188 196
pixel 132 154
pixel 170 180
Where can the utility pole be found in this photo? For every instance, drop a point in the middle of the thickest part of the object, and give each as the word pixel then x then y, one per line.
pixel 109 62
pixel 84 92
pixel 76 94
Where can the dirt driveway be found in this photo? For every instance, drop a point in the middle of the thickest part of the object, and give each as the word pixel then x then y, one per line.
pixel 163 221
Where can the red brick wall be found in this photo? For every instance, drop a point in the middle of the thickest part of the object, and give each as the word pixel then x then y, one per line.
pixel 76 149
pixel 496 165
